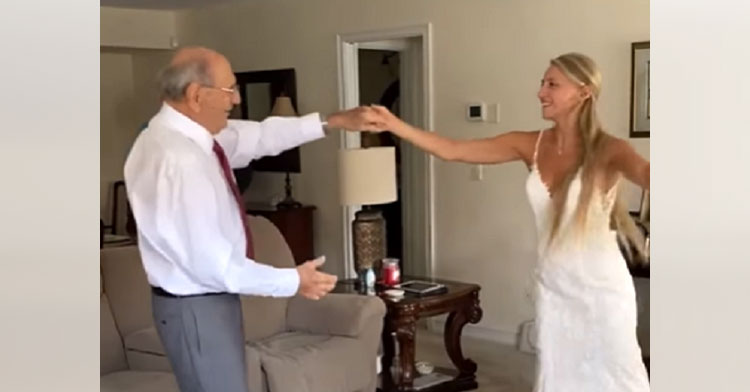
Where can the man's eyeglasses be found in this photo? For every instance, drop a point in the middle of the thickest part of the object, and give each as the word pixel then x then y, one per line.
pixel 231 90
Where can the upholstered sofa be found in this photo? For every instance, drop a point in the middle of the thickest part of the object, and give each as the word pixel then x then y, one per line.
pixel 292 344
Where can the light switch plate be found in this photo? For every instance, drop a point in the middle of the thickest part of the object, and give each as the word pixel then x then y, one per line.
pixel 476 111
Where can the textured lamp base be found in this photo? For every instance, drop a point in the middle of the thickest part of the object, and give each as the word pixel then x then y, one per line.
pixel 369 239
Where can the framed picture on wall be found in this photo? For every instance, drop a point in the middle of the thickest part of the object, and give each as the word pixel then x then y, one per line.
pixel 640 89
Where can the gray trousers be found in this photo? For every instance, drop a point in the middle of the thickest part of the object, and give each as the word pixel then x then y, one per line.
pixel 203 339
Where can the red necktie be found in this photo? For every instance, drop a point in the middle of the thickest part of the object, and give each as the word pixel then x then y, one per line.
pixel 236 192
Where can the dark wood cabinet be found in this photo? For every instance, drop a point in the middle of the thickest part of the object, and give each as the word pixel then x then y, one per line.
pixel 295 225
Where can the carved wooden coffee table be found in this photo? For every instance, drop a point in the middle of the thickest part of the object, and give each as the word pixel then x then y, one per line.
pixel 461 301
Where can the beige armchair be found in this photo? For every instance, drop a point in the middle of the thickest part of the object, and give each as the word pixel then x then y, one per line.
pixel 116 375
pixel 293 344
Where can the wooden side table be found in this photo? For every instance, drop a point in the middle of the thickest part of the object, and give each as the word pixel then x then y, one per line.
pixel 461 302
pixel 295 225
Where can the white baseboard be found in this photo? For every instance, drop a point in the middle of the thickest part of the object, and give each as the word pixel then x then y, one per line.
pixel 437 324
pixel 492 334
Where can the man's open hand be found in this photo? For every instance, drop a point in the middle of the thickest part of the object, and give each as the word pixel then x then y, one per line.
pixel 314 284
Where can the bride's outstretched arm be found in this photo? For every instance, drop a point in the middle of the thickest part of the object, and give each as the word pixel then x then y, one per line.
pixel 506 147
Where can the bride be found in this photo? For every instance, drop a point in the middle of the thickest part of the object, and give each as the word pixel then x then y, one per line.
pixel 585 299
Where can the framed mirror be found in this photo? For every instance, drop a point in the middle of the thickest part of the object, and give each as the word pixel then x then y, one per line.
pixel 258 91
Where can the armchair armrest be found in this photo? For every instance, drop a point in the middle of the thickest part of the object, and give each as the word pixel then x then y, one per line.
pixel 335 314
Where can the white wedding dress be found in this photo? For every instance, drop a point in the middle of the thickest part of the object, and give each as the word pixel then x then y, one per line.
pixel 585 299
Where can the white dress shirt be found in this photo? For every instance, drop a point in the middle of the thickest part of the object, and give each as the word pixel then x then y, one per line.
pixel 190 233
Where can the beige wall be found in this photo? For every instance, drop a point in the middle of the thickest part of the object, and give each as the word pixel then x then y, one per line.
pixel 146 65
pixel 128 98
pixel 131 28
pixel 116 121
pixel 133 44
pixel 494 51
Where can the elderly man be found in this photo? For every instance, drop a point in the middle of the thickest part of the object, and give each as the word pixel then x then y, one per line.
pixel 193 238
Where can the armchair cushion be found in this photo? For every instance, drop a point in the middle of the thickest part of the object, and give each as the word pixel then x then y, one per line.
pixel 262 317
pixel 146 340
pixel 127 288
pixel 111 353
pixel 265 316
pixel 129 381
pixel 256 380
pixel 335 314
pixel 300 362
pixel 145 351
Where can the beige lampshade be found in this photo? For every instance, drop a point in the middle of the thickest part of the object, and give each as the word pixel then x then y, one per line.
pixel 367 176
pixel 283 107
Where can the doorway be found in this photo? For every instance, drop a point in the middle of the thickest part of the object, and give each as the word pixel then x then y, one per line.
pixel 394 68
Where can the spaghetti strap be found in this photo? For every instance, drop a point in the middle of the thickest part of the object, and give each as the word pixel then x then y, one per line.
pixel 536 148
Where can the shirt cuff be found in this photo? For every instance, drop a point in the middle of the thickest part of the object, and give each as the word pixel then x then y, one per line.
pixel 288 282
pixel 312 127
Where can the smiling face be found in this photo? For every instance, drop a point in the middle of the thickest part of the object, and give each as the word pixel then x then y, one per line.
pixel 560 96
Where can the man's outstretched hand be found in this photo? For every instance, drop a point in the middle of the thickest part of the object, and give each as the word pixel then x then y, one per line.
pixel 314 284
pixel 363 118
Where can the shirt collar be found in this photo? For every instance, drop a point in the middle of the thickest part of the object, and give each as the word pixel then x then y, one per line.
pixel 186 126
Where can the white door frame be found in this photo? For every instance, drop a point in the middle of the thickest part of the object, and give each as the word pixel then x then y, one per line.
pixel 348 46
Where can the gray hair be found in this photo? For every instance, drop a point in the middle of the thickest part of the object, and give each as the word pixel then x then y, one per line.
pixel 174 79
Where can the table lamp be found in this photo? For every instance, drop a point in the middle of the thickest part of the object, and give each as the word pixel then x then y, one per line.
pixel 367 176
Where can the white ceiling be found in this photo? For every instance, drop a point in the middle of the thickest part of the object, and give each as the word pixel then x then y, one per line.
pixel 163 4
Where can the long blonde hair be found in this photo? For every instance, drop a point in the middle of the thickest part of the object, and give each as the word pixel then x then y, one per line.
pixel 583 70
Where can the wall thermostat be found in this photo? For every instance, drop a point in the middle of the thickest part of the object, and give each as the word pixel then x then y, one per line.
pixel 476 111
